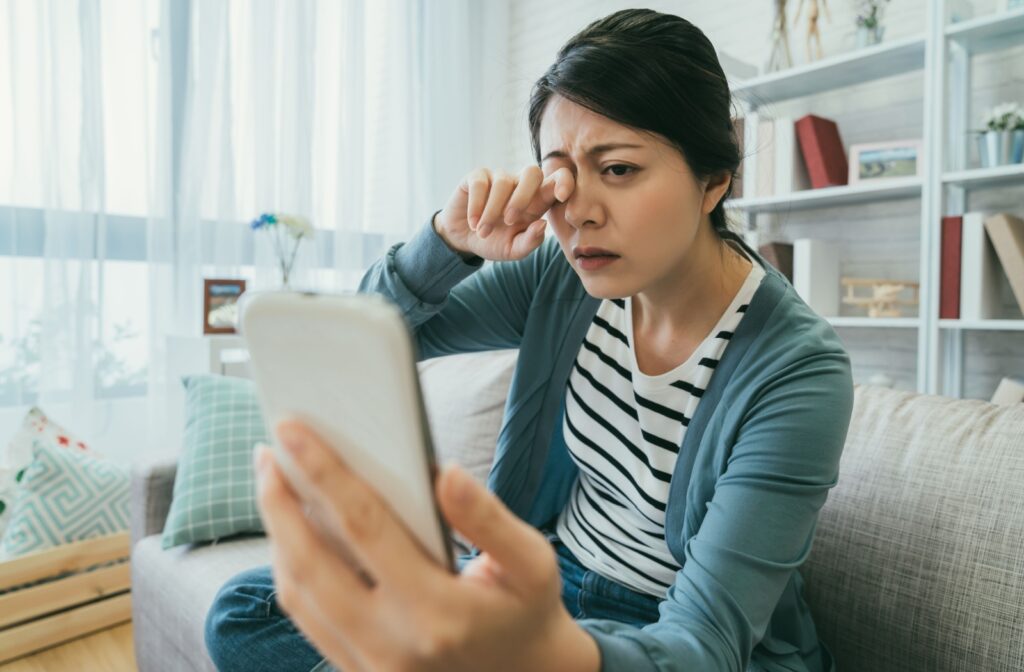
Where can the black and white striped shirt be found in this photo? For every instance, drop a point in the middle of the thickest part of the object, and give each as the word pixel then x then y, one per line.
pixel 623 429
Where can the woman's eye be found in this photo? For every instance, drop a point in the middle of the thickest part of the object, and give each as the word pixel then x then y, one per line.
pixel 620 170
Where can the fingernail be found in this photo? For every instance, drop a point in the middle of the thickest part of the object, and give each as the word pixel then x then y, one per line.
pixel 511 215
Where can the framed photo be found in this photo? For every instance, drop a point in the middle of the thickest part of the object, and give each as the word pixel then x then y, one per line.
pixel 884 160
pixel 220 305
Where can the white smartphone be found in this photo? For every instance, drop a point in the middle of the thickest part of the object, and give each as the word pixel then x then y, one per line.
pixel 345 366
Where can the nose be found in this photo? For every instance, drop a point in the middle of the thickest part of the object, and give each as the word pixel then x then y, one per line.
pixel 583 208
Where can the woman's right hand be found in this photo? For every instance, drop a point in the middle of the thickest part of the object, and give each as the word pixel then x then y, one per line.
pixel 498 216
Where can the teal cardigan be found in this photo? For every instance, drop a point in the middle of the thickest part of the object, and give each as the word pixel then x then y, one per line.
pixel 755 466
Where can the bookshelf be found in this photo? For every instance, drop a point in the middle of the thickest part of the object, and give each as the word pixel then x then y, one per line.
pixel 946 182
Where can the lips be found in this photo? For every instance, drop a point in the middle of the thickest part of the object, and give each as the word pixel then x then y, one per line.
pixel 583 252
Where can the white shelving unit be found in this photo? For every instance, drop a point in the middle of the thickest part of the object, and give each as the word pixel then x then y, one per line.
pixel 942 54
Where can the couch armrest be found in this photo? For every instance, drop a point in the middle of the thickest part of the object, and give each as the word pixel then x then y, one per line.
pixel 152 484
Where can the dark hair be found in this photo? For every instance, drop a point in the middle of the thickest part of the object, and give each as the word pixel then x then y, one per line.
pixel 653 72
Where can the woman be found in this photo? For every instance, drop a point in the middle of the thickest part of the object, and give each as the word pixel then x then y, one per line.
pixel 673 426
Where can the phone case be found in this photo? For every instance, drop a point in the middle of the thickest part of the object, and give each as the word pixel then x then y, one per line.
pixel 345 366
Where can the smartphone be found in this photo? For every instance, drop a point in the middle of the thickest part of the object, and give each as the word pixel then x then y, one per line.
pixel 345 365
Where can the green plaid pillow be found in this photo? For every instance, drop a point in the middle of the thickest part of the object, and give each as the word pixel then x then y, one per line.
pixel 215 487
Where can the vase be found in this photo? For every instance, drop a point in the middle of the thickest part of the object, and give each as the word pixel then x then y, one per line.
pixel 995 148
pixel 1017 142
pixel 867 37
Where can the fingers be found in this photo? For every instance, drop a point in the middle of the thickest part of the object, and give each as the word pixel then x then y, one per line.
pixel 379 540
pixel 478 185
pixel 528 240
pixel 502 185
pixel 522 557
pixel 300 558
pixel 556 187
pixel 529 181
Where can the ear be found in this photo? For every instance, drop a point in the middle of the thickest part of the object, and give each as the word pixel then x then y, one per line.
pixel 714 191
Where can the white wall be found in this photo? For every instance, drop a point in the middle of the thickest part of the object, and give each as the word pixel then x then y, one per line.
pixel 880 240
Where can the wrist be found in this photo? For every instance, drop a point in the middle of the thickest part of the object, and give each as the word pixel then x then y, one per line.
pixel 439 230
pixel 570 648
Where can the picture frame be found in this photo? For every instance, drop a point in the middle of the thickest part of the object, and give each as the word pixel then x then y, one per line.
pixel 220 299
pixel 874 161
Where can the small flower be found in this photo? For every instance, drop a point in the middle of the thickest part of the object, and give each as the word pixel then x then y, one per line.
pixel 1003 117
pixel 298 227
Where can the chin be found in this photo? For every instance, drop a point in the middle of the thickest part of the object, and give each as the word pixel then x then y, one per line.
pixel 603 288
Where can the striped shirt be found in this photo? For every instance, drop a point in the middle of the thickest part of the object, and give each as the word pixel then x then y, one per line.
pixel 623 429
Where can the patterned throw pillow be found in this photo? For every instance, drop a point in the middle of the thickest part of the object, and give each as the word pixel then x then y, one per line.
pixel 16 456
pixel 65 496
pixel 215 487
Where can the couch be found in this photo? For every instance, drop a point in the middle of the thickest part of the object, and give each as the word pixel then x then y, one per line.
pixel 918 562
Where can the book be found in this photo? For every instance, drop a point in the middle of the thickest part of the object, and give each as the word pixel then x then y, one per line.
pixel 949 268
pixel 1009 392
pixel 1007 235
pixel 779 255
pixel 979 270
pixel 765 158
pixel 823 152
pixel 816 275
pixel 790 171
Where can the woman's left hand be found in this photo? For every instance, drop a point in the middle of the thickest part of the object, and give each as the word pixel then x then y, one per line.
pixel 503 612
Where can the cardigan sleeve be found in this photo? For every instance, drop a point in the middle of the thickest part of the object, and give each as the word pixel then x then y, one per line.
pixel 756 532
pixel 453 305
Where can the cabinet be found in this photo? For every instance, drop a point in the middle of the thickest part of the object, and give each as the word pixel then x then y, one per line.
pixel 947 184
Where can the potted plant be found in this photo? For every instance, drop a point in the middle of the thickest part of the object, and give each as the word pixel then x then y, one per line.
pixel 1001 140
pixel 869 22
pixel 281 227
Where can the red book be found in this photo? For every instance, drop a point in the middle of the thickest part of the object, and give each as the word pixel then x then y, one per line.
pixel 949 268
pixel 823 151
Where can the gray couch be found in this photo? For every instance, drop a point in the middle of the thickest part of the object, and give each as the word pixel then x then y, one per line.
pixel 918 562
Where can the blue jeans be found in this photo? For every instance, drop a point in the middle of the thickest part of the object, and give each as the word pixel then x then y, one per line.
pixel 246 629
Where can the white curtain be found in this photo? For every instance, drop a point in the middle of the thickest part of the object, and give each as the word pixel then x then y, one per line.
pixel 358 115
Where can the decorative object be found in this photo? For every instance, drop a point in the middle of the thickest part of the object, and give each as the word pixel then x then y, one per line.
pixel 65 496
pixel 61 593
pixel 950 256
pixel 1007 235
pixel 884 160
pixel 1009 392
pixel 822 149
pixel 220 305
pixel 812 26
pixel 780 57
pixel 979 271
pixel 36 429
pixel 215 489
pixel 886 295
pixel 1001 140
pixel 779 255
pixel 869 22
pixel 280 227
pixel 816 265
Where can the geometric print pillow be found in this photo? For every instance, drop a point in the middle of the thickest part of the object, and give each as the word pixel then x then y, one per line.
pixel 215 485
pixel 17 455
pixel 65 496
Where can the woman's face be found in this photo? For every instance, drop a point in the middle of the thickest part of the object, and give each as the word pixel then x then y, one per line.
pixel 634 197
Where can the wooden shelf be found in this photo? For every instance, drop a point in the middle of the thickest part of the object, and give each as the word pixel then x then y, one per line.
pixel 982 325
pixel 855 67
pixel 988 33
pixel 985 177
pixel 876 322
pixel 865 192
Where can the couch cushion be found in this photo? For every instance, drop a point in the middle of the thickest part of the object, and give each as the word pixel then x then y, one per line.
pixel 173 589
pixel 918 562
pixel 215 487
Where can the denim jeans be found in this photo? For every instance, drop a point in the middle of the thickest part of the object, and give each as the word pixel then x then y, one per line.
pixel 246 629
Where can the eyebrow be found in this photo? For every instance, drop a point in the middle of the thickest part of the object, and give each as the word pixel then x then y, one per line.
pixel 593 151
